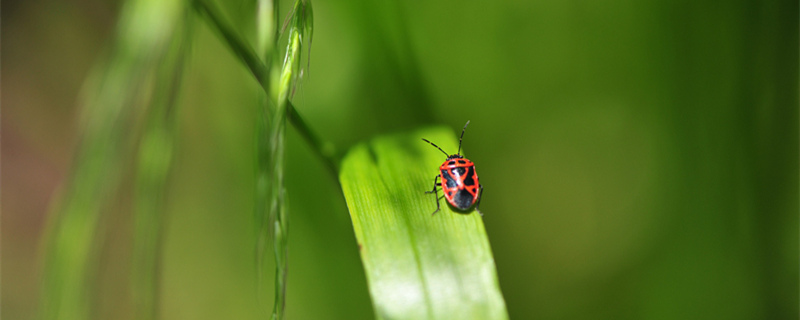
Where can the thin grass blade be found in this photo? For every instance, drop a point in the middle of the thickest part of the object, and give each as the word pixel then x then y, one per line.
pixel 116 92
pixel 155 156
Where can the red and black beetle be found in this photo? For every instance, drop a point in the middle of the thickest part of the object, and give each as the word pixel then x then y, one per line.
pixel 459 180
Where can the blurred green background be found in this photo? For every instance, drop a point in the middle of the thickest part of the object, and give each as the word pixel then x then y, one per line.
pixel 640 158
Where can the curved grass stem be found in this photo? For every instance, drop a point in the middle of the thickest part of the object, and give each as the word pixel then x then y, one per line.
pixel 240 48
pixel 278 81
pixel 324 149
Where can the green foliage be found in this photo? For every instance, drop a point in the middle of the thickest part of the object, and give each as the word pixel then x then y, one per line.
pixel 124 88
pixel 641 160
pixel 418 266
pixel 155 158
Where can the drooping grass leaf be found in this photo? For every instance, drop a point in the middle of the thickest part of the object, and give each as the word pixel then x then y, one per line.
pixel 155 155
pixel 418 266
pixel 116 96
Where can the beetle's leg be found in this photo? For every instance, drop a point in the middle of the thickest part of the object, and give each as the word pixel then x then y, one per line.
pixel 435 192
pixel 434 185
pixel 478 202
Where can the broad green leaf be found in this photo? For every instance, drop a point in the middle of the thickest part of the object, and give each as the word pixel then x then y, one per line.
pixel 418 266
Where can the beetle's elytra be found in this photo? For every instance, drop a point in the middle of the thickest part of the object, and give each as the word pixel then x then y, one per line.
pixel 459 180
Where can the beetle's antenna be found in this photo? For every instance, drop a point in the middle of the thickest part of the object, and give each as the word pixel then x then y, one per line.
pixel 462 137
pixel 433 144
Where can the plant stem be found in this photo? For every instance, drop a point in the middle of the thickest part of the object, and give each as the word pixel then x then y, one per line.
pixel 235 43
pixel 324 149
pixel 266 26
pixel 277 82
pixel 278 211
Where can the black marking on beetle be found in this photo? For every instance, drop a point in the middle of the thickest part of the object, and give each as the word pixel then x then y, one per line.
pixel 449 181
pixel 469 181
pixel 459 171
pixel 463 199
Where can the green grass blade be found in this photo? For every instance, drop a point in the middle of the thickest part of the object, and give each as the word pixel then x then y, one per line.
pixel 418 266
pixel 156 149
pixel 116 93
